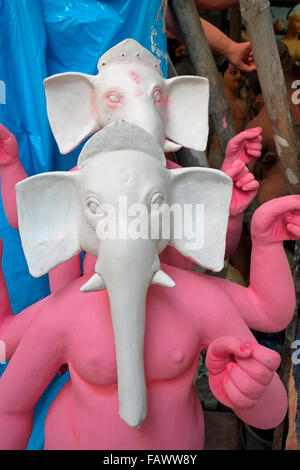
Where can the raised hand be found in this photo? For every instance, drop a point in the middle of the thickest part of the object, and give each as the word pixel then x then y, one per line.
pixel 245 146
pixel 8 146
pixel 241 56
pixel 277 220
pixel 245 187
pixel 239 373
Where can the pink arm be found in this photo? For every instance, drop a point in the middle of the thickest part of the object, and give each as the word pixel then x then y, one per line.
pixel 34 364
pixel 268 303
pixel 11 172
pixel 242 149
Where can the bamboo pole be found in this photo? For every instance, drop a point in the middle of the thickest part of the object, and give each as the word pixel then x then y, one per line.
pixel 258 19
pixel 202 59
pixel 280 432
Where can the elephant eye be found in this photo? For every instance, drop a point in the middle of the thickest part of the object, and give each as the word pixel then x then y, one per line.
pixel 94 206
pixel 156 201
pixel 157 96
pixel 113 98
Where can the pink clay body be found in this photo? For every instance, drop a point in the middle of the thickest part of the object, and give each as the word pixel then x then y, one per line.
pixel 201 312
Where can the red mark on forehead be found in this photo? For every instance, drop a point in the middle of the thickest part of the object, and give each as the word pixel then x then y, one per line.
pixel 135 76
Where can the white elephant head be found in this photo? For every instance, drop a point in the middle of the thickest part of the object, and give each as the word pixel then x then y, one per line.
pixel 62 213
pixel 130 87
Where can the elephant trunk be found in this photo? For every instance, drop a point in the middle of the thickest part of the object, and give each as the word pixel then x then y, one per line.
pixel 127 268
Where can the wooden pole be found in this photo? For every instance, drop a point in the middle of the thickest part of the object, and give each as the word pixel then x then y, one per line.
pixel 258 19
pixel 202 59
pixel 280 432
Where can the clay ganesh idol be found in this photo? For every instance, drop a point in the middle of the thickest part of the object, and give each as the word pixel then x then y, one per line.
pixel 129 86
pixel 131 330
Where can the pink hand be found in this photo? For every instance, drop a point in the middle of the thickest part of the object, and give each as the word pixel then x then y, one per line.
pixel 277 220
pixel 240 372
pixel 245 146
pixel 245 187
pixel 8 146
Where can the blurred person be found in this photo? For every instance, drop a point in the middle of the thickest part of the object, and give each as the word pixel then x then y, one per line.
pixel 291 39
pixel 233 81
pixel 239 54
pixel 268 169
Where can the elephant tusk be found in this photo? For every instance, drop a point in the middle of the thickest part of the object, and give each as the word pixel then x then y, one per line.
pixel 162 279
pixel 170 146
pixel 94 284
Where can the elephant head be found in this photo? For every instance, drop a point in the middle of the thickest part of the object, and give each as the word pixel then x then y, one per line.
pixel 61 213
pixel 129 86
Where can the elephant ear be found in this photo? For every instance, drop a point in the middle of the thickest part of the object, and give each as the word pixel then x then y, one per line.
pixel 71 107
pixel 48 215
pixel 187 111
pixel 204 197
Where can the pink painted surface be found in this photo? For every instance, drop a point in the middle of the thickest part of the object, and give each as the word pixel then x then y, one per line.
pixel 201 312
pixel 11 172
pixel 135 76
pixel 243 148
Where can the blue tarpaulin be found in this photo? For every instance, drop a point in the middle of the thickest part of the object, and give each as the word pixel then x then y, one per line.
pixel 39 38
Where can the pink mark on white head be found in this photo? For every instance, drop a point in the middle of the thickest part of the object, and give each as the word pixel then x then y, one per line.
pixel 135 76
pixel 2 351
pixel 138 93
pixel 225 123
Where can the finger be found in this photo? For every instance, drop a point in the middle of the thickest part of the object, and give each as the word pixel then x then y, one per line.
pixel 238 399
pixel 249 134
pixel 235 170
pixel 245 179
pixel 266 356
pixel 278 206
pixel 254 153
pixel 246 385
pixel 254 132
pixel 256 370
pixel 248 68
pixel 220 352
pixel 252 186
pixel 254 145
pixel 293 218
pixel 294 230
